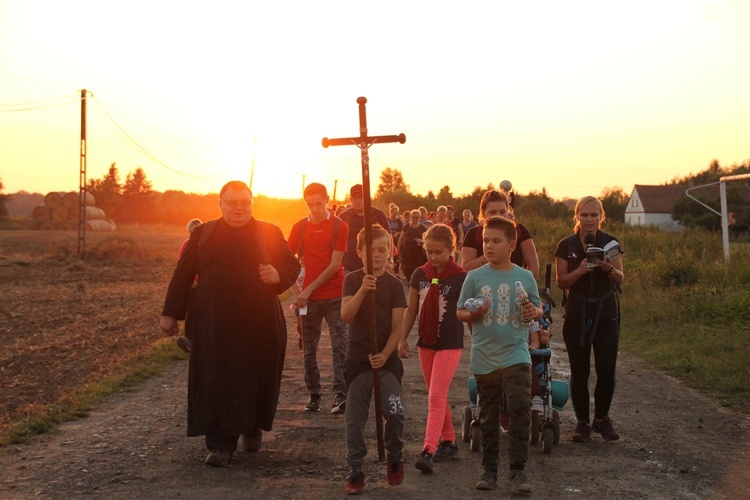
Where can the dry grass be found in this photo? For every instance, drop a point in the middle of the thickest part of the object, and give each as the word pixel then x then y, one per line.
pixel 66 323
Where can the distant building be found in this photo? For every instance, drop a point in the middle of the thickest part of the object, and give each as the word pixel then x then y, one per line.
pixel 653 205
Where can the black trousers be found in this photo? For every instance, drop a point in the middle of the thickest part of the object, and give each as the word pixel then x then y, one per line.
pixel 605 345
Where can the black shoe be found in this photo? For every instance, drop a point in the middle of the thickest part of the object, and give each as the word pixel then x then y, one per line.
pixel 582 433
pixel 218 458
pixel 487 482
pixel 425 461
pixel 446 450
pixel 604 427
pixel 339 404
pixel 314 403
pixel 251 441
pixel 184 343
pixel 519 483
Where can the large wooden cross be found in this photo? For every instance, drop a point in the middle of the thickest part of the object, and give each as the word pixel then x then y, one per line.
pixel 363 142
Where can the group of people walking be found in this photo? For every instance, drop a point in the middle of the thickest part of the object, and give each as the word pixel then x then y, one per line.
pixel 238 335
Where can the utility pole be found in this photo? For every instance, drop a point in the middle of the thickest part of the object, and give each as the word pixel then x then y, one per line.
pixel 335 185
pixel 303 184
pixel 82 181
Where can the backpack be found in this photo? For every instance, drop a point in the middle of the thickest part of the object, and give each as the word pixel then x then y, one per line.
pixel 303 224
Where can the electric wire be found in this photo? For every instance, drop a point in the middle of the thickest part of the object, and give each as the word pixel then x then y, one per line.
pixel 128 139
pixel 11 108
pixel 37 81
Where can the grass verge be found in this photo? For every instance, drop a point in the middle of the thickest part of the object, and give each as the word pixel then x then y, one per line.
pixel 152 361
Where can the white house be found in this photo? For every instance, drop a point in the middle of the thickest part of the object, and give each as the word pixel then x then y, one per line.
pixel 652 206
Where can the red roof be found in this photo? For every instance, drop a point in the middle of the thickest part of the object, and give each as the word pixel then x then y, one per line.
pixel 659 199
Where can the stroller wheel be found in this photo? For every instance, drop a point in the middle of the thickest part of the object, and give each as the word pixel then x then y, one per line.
pixel 466 427
pixel 548 437
pixel 535 426
pixel 556 426
pixel 476 438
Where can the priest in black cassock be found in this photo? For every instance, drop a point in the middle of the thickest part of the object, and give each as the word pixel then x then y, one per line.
pixel 239 332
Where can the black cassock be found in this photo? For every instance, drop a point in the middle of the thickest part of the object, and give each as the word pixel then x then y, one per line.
pixel 238 328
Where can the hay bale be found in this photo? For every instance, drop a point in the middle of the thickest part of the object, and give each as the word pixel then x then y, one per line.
pixel 30 225
pixel 59 214
pixel 41 213
pixel 47 225
pixel 92 213
pixel 54 199
pixel 98 225
pixel 71 200
pixel 67 225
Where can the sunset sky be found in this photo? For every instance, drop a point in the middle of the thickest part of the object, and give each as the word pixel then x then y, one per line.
pixel 573 96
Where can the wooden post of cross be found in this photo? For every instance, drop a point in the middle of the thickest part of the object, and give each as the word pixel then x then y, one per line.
pixel 363 142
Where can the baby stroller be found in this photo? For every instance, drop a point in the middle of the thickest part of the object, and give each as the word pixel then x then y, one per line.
pixel 554 392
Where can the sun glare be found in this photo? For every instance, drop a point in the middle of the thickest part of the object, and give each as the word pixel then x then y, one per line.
pixel 483 91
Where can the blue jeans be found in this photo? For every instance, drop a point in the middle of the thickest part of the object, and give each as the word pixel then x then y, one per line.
pixel 312 322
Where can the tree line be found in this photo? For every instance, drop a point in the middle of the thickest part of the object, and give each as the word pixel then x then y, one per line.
pixel 133 200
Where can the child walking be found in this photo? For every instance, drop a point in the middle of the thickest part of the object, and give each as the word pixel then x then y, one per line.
pixel 390 303
pixel 500 358
pixel 433 292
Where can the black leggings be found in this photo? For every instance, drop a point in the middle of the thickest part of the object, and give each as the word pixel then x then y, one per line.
pixel 605 345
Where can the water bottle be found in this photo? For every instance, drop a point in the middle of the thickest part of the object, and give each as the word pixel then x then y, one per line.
pixel 521 297
pixel 473 304
pixel 301 278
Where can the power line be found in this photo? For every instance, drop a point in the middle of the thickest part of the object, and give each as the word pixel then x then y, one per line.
pixel 35 105
pixel 37 81
pixel 128 139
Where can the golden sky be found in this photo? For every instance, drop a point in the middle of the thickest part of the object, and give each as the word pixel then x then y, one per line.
pixel 573 96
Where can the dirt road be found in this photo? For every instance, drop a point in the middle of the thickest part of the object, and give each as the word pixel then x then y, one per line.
pixel 675 444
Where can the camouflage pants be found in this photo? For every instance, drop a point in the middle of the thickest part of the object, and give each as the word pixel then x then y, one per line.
pixel 312 322
pixel 514 384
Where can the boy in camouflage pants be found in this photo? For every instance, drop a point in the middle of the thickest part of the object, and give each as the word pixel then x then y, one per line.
pixel 500 358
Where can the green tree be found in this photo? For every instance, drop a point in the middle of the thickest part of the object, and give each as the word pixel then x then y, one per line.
pixel 615 201
pixel 391 180
pixel 138 199
pixel 107 191
pixel 691 214
pixel 444 196
pixel 538 203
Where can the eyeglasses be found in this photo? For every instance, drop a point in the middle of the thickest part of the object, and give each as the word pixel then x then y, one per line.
pixel 238 203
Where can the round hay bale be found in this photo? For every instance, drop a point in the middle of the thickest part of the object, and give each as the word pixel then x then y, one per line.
pixel 67 225
pixel 98 225
pixel 59 214
pixel 47 225
pixel 41 213
pixel 112 223
pixel 30 224
pixel 54 199
pixel 95 213
pixel 71 200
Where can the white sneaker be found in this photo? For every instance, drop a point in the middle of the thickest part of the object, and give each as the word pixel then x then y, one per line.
pixel 537 405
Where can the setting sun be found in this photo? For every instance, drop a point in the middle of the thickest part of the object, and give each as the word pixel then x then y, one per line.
pixel 574 98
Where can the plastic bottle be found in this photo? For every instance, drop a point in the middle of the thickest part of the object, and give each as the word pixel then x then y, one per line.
pixel 521 297
pixel 473 304
pixel 301 278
